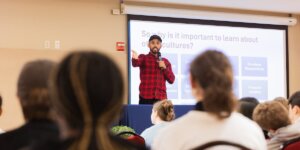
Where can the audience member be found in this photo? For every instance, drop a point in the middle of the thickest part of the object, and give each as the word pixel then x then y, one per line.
pixel 247 105
pixel 162 112
pixel 32 91
pixel 87 89
pixel 214 118
pixel 294 109
pixel 283 101
pixel 273 117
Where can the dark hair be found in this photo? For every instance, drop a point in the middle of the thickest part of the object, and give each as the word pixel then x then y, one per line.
pixel 155 37
pixel 88 90
pixel 32 89
pixel 271 115
pixel 213 72
pixel 247 105
pixel 252 100
pixel 295 99
pixel 165 110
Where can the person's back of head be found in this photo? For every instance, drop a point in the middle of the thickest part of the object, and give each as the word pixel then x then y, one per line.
pixel 294 106
pixel 250 100
pixel 88 90
pixel 212 71
pixel 294 99
pixel 164 109
pixel 32 89
pixel 271 115
pixel 246 106
pixel 283 101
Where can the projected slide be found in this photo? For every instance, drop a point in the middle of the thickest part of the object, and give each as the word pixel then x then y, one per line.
pixel 257 56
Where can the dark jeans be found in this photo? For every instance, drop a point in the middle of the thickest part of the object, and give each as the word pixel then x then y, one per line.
pixel 148 101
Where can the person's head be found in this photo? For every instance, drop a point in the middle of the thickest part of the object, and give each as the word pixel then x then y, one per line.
pixel 211 82
pixel 294 106
pixel 154 44
pixel 246 106
pixel 32 89
pixel 87 90
pixel 162 111
pixel 283 101
pixel 271 115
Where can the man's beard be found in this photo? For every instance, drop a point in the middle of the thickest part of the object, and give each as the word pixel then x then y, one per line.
pixel 154 50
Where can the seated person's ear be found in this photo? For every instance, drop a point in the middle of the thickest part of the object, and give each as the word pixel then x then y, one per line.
pixel 296 109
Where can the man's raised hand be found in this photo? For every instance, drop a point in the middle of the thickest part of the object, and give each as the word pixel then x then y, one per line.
pixel 134 54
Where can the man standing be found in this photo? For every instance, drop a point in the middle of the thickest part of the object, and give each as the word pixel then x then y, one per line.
pixel 154 72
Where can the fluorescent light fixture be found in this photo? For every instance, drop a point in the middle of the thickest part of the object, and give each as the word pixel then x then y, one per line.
pixel 206 15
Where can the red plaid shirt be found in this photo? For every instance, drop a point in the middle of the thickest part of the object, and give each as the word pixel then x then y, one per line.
pixel 153 79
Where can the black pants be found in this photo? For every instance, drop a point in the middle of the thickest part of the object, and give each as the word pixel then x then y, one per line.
pixel 148 101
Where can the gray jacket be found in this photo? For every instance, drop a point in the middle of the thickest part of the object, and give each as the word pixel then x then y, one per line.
pixel 283 134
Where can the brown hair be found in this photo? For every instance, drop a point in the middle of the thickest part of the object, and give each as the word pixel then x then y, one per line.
pixel 213 72
pixel 271 115
pixel 283 101
pixel 165 110
pixel 88 90
pixel 32 89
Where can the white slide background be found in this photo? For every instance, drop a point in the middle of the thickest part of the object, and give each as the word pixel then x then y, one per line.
pixel 258 56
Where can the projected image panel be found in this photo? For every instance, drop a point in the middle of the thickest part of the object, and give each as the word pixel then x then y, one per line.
pixel 254 66
pixel 173 59
pixel 234 60
pixel 256 54
pixel 255 88
pixel 172 91
pixel 186 60
pixel 186 92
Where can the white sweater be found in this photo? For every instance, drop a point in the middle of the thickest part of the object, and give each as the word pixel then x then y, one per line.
pixel 150 133
pixel 198 127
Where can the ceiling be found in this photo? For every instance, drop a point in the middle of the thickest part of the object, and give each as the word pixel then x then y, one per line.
pixel 280 6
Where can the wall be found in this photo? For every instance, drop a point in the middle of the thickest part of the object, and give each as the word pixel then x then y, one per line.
pixel 76 24
pixel 294 53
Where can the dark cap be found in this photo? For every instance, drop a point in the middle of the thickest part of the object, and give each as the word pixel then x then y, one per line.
pixel 155 37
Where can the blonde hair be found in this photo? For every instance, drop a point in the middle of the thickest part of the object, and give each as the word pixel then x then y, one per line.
pixel 165 110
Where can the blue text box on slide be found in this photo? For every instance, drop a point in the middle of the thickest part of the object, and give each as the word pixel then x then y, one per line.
pixel 173 59
pixel 254 66
pixel 255 88
pixel 234 60
pixel 186 60
pixel 186 91
pixel 172 89
pixel 236 87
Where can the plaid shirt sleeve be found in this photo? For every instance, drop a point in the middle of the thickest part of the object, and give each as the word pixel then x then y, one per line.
pixel 168 73
pixel 138 62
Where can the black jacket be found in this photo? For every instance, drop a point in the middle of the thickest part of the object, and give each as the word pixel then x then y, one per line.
pixel 28 134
